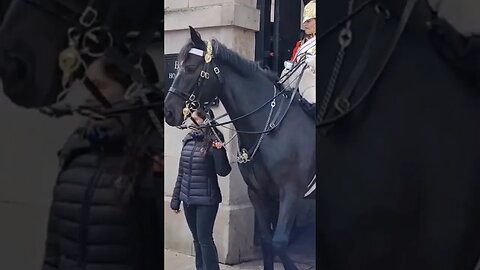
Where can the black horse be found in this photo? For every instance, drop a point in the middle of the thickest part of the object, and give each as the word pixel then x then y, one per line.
pixel 3 8
pixel 278 140
pixel 45 45
pixel 399 175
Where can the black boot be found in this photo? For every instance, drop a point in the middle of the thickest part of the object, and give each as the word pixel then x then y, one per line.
pixel 309 108
pixel 198 256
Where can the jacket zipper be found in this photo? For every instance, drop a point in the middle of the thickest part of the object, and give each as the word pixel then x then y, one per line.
pixel 190 175
pixel 86 211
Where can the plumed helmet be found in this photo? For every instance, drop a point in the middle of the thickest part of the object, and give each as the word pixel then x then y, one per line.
pixel 309 12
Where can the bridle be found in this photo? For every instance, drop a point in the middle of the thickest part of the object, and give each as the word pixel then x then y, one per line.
pixel 343 105
pixel 90 38
pixel 192 101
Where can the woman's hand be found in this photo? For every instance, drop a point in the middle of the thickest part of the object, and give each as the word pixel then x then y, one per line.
pixel 217 144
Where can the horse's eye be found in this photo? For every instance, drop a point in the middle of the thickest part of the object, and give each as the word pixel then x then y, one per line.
pixel 190 69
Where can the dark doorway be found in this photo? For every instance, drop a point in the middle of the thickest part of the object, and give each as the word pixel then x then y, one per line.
pixel 275 40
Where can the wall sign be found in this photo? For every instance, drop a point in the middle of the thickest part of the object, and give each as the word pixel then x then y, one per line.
pixel 171 67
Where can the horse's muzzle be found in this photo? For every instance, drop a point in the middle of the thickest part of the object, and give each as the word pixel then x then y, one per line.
pixel 12 68
pixel 15 77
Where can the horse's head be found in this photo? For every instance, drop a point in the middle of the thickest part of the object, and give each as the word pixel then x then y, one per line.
pixel 197 82
pixel 31 40
pixel 36 33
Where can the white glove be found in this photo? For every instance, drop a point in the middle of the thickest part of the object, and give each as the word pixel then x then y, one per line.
pixel 289 79
pixel 288 65
pixel 310 61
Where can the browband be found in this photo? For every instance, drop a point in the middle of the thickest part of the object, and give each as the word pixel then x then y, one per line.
pixel 196 51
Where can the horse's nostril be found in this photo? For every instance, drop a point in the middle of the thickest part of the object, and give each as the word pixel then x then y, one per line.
pixel 13 68
pixel 168 114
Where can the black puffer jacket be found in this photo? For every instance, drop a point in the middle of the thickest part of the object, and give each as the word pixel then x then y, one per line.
pixel 91 226
pixel 197 181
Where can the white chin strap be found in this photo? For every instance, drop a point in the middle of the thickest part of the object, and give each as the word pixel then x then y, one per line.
pixel 196 51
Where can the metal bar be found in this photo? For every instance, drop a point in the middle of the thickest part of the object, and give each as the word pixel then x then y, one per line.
pixel 260 35
pixel 276 36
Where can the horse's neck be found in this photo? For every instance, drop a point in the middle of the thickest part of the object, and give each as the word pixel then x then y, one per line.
pixel 242 95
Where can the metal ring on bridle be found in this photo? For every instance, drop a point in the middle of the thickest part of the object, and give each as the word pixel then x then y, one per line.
pixel 72 36
pixel 194 104
pixel 204 75
pixel 342 104
pixel 379 8
pixel 84 19
pixel 89 35
pixel 345 37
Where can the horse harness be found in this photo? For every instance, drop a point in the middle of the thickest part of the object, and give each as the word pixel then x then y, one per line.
pixel 88 40
pixel 343 104
pixel 193 103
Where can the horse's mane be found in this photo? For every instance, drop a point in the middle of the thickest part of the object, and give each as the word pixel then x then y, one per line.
pixel 242 65
pixel 233 60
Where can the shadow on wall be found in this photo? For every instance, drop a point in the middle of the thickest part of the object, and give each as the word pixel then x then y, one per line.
pixel 28 167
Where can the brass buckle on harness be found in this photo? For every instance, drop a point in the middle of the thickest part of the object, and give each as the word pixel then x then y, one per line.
pixel 186 111
pixel 209 53
pixel 243 157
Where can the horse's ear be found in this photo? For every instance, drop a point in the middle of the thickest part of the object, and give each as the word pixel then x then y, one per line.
pixel 196 39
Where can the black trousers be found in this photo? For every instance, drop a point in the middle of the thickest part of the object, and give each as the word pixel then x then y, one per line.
pixel 200 219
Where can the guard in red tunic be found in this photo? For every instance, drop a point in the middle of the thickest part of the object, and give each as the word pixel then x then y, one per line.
pixel 299 72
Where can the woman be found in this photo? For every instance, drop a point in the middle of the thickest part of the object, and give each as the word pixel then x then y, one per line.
pixel 303 77
pixel 105 210
pixel 203 157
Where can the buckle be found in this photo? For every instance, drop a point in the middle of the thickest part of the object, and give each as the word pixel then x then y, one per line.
pixel 342 104
pixel 88 17
pixel 345 37
pixel 204 75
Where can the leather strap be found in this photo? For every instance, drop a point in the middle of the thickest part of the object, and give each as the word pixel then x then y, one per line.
pixel 407 12
pixel 342 102
pixel 96 93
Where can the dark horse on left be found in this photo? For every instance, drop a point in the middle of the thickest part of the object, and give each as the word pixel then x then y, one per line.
pixel 45 45
pixel 105 211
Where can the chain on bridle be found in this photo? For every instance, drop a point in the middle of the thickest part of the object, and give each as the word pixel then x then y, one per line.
pixel 343 104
